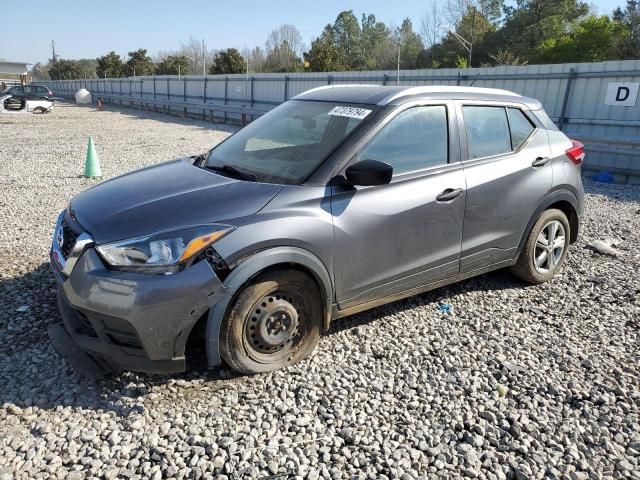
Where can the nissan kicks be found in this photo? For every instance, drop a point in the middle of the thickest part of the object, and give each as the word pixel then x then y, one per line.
pixel 339 200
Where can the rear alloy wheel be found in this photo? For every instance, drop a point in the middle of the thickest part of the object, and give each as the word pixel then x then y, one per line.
pixel 546 248
pixel 274 322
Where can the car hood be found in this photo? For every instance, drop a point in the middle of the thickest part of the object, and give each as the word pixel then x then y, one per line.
pixel 166 196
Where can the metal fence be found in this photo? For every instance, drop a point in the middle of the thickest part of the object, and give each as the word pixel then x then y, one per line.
pixel 573 95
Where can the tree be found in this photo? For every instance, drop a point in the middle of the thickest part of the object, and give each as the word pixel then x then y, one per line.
pixel 431 26
pixel 629 47
pixel 491 9
pixel 410 46
pixel 40 72
pixel 282 58
pixel 139 64
pixel 347 36
pixel 531 22
pixel 255 58
pixel 504 57
pixel 284 50
pixel 195 51
pixel 376 44
pixel 285 33
pixel 65 69
pixel 593 39
pixel 347 45
pixel 173 65
pixel 110 65
pixel 88 67
pixel 324 55
pixel 228 61
pixel 473 27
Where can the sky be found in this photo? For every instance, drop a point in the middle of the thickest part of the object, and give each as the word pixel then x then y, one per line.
pixel 89 29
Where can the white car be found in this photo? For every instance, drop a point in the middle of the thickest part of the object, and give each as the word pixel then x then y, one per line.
pixel 24 103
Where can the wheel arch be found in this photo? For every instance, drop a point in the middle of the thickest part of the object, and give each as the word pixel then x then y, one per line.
pixel 254 265
pixel 563 200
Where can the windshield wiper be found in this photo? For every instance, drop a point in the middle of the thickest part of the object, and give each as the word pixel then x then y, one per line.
pixel 233 172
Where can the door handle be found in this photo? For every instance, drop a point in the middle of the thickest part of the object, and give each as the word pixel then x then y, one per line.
pixel 449 194
pixel 540 162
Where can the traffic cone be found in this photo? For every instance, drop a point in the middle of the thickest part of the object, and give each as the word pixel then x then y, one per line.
pixel 91 164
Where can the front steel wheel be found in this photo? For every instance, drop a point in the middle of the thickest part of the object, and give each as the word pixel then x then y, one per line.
pixel 545 249
pixel 274 322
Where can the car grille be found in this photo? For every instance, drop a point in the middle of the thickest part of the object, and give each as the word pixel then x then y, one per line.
pixel 70 237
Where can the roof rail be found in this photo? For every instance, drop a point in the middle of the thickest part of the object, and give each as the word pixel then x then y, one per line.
pixel 444 89
pixel 337 85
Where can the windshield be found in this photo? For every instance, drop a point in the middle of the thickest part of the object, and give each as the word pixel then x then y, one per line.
pixel 287 144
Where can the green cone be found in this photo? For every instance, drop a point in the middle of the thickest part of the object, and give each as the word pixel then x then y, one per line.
pixel 91 164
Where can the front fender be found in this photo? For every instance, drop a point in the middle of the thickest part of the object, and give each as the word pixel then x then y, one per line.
pixel 247 270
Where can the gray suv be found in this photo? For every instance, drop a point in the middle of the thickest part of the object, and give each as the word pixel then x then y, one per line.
pixel 339 200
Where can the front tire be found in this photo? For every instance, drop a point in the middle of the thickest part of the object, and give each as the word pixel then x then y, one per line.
pixel 274 322
pixel 545 249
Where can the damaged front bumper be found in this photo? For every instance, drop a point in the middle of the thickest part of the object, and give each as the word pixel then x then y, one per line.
pixel 129 321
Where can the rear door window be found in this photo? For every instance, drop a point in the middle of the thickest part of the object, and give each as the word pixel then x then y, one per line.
pixel 487 130
pixel 520 127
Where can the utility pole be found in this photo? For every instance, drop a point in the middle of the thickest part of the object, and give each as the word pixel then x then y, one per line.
pixel 53 56
pixel 400 38
pixel 204 58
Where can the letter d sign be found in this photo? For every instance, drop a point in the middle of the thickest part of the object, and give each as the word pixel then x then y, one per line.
pixel 621 94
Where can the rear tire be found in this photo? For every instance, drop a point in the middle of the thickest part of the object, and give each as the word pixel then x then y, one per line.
pixel 274 322
pixel 545 249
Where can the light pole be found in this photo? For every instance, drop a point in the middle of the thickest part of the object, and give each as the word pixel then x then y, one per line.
pixel 398 66
pixel 204 58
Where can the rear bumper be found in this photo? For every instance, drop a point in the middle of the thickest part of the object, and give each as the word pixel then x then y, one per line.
pixel 133 321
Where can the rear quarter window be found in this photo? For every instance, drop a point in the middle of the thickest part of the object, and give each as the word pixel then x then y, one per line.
pixel 520 127
pixel 544 119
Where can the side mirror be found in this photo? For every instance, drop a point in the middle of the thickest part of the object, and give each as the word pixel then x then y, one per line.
pixel 369 172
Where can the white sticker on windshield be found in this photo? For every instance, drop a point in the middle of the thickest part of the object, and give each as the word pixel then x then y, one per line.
pixel 351 112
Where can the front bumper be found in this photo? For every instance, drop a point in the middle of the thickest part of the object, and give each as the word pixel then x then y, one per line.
pixel 132 321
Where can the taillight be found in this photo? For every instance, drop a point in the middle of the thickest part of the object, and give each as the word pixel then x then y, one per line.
pixel 576 152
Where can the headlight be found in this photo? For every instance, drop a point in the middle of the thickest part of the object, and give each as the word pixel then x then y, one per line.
pixel 164 252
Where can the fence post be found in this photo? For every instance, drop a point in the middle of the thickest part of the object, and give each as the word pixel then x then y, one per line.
pixel 154 90
pixel 204 95
pixel 184 96
pixel 286 87
pixel 226 90
pixel 252 86
pixel 458 80
pixel 565 101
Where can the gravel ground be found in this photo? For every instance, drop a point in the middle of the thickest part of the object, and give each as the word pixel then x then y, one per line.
pixel 515 382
